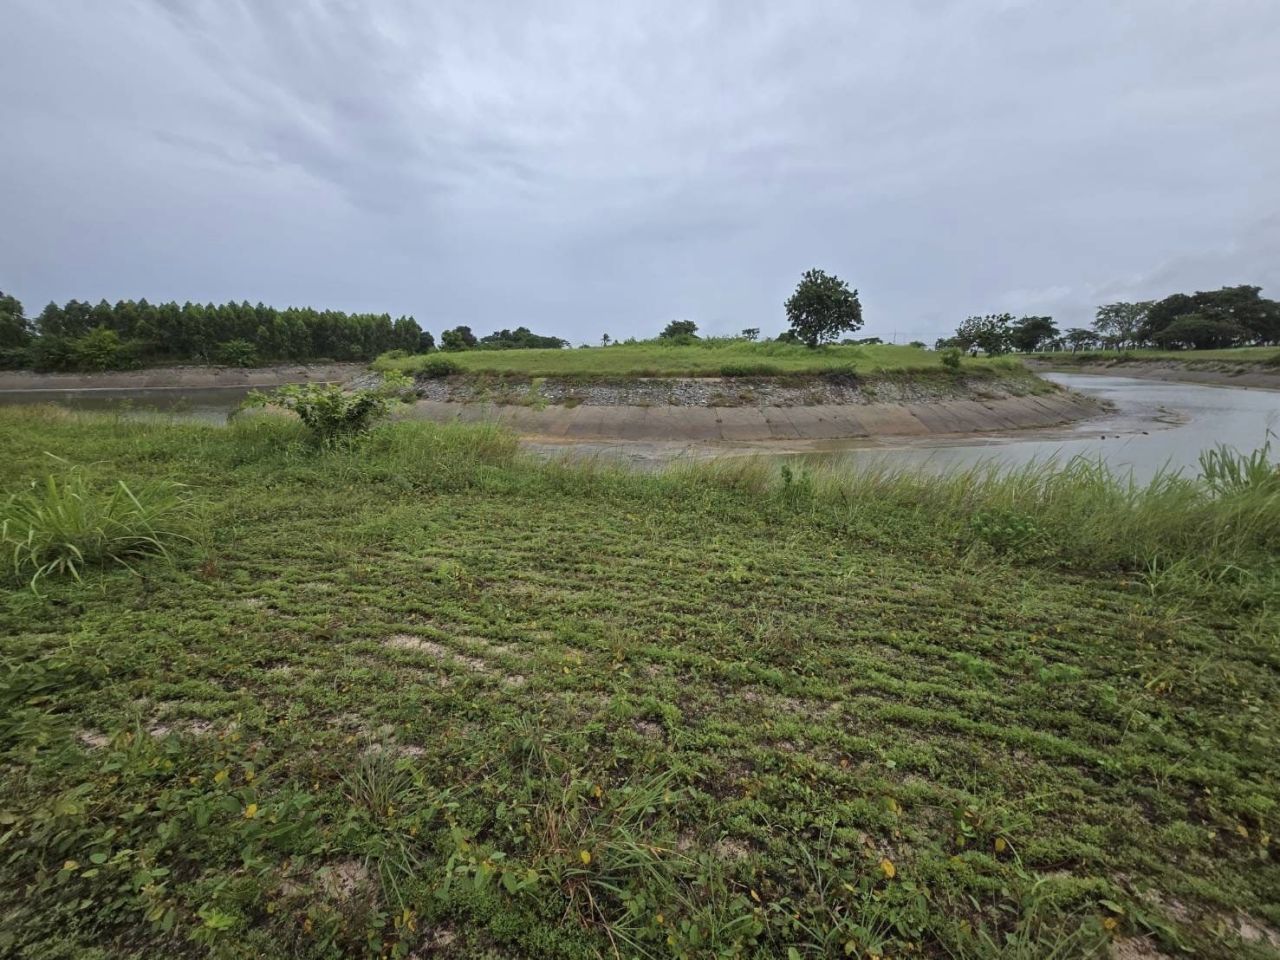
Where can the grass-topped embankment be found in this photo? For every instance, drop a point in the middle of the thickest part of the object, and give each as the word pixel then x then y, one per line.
pixel 423 695
pixel 1265 356
pixel 704 358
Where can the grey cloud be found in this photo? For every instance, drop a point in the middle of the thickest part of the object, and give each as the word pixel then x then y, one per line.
pixel 584 167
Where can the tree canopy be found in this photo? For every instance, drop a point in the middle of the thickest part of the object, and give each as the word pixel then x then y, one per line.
pixel 1030 333
pixel 75 334
pixel 989 333
pixel 821 308
pixel 459 338
pixel 521 338
pixel 678 329
pixel 15 331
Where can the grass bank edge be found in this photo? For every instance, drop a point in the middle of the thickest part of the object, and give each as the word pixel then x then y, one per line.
pixel 1263 358
pixel 1196 534
pixel 733 358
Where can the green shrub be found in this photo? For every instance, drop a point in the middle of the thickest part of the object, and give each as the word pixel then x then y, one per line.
pixel 237 353
pixel 950 358
pixel 15 358
pixel 99 349
pixel 63 524
pixel 435 367
pixel 744 369
pixel 1273 360
pixel 328 411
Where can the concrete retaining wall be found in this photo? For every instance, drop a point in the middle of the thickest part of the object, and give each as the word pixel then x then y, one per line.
pixel 820 422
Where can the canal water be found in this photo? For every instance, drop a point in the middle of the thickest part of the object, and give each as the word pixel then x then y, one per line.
pixel 1152 426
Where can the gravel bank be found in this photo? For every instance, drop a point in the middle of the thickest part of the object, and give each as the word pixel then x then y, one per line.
pixel 730 392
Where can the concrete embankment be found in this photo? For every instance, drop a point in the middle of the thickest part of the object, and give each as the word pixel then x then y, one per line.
pixel 1209 373
pixel 746 423
pixel 179 378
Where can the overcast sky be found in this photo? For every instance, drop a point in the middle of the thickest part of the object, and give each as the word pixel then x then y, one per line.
pixel 588 168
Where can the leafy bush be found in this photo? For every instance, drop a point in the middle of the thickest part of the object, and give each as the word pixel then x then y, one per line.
pixel 951 358
pixel 237 353
pixel 15 358
pixel 743 369
pixel 99 349
pixel 63 524
pixel 433 368
pixel 328 411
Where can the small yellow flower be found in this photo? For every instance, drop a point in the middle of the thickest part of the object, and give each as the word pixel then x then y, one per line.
pixel 660 919
pixel 585 856
pixel 220 775
pixel 1001 845
pixel 251 811
pixel 1110 923
pixel 889 869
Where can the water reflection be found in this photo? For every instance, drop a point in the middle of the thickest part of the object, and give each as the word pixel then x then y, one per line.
pixel 1153 426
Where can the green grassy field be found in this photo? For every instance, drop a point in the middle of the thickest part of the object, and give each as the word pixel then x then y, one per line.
pixel 708 358
pixel 1263 355
pixel 424 697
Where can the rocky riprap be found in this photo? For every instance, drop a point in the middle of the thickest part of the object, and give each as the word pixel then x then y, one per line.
pixel 726 391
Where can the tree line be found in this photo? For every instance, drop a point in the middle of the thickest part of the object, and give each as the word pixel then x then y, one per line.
pixel 130 333
pixel 1229 317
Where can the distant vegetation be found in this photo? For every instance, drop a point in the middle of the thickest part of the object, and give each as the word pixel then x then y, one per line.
pixel 83 336
pixel 1216 319
pixel 134 333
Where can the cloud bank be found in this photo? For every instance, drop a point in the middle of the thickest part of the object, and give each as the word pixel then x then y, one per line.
pixel 586 168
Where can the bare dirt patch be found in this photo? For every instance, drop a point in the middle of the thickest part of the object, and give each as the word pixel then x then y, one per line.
pixel 437 651
pixel 343 880
pixel 1136 948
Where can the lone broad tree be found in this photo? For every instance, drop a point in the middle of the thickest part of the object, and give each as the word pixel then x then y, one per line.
pixel 822 308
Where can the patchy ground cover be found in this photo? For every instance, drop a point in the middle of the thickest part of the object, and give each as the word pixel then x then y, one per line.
pixel 706 358
pixel 422 697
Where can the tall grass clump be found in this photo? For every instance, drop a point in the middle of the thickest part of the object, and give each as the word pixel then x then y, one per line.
pixel 63 523
pixel 1201 534
pixel 1226 471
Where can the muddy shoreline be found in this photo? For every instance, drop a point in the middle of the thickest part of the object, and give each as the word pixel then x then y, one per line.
pixel 847 421
pixel 179 378
pixel 1254 376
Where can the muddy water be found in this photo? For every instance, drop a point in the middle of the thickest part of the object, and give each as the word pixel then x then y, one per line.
pixel 1152 427
pixel 208 404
